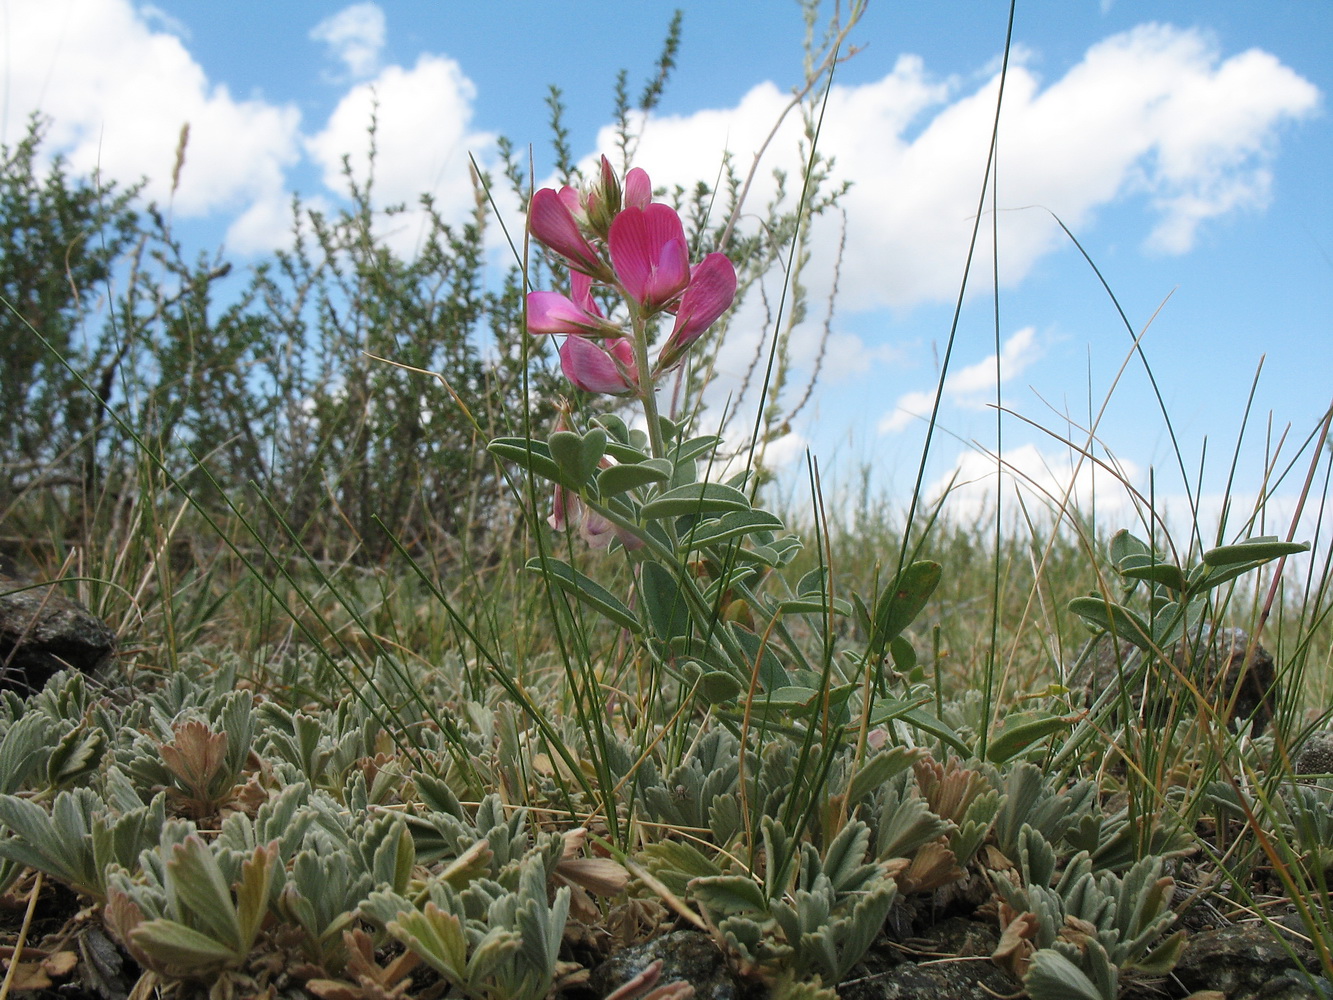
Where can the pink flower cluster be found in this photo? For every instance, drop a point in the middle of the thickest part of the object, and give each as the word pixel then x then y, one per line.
pixel 622 239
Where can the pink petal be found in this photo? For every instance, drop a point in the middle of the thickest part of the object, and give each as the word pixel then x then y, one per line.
pixel 712 289
pixel 638 189
pixel 580 285
pixel 572 200
pixel 610 186
pixel 565 507
pixel 554 226
pixel 649 254
pixel 592 369
pixel 596 530
pixel 551 312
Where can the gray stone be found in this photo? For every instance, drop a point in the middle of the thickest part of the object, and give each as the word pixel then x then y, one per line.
pixel 952 962
pixel 1214 660
pixel 42 631
pixel 686 956
pixel 1315 755
pixel 1247 962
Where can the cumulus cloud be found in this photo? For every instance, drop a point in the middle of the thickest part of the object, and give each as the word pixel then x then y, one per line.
pixel 1047 480
pixel 970 387
pixel 423 137
pixel 355 37
pixel 117 94
pixel 1155 113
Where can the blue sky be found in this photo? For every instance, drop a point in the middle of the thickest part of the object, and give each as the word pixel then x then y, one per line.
pixel 1186 144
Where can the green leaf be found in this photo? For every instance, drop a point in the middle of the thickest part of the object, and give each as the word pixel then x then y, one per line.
pixel 903 653
pixel 928 723
pixel 626 454
pixel 1054 977
pixel 19 750
pixel 498 946
pixel 729 894
pixel 578 455
pixel 615 427
pixel 663 601
pixel 253 892
pixel 695 447
pixel 437 937
pixel 584 588
pixel 437 796
pixel 696 498
pixel 729 526
pixel 534 456
pixel 1154 570
pixel 790 697
pixel 678 856
pixel 178 946
pixel 815 606
pixel 719 687
pixel 630 476
pixel 899 604
pixel 772 675
pixel 1115 618
pixel 1162 958
pixel 844 860
pixel 1124 545
pixel 879 769
pixel 1262 548
pixel 198 885
pixel 1016 736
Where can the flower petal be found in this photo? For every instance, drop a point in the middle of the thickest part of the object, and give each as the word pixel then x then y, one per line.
pixel 580 286
pixel 710 294
pixel 592 369
pixel 565 508
pixel 638 189
pixel 551 312
pixel 554 226
pixel 649 254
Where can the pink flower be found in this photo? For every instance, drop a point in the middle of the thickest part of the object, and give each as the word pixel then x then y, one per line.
pixel 598 532
pixel 638 189
pixel 580 287
pixel 578 313
pixel 565 507
pixel 593 369
pixel 551 312
pixel 553 224
pixel 649 254
pixel 710 293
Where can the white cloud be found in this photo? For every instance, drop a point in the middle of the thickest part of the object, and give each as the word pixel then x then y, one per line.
pixel 971 387
pixel 1047 480
pixel 1155 112
pixel 422 141
pixel 910 408
pixel 1052 482
pixel 355 37
pixel 118 93
pixel 155 16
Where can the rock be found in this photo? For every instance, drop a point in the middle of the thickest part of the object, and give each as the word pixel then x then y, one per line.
pixel 686 956
pixel 42 631
pixel 1315 755
pixel 966 972
pixel 1246 962
pixel 1214 660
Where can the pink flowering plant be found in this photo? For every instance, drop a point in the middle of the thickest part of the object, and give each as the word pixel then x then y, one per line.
pixel 707 603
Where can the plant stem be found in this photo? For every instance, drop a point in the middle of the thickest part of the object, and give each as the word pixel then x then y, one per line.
pixel 647 387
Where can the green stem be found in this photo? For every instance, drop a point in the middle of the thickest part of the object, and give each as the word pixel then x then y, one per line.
pixel 647 387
